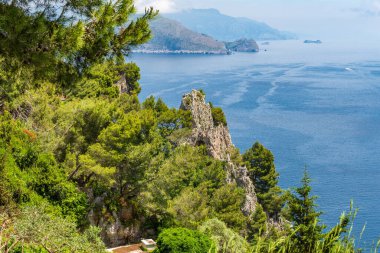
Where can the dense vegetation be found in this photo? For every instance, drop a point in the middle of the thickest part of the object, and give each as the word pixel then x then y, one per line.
pixel 178 240
pixel 78 149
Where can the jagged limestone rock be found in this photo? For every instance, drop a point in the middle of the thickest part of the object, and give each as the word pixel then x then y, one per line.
pixel 218 143
pixel 216 138
pixel 239 175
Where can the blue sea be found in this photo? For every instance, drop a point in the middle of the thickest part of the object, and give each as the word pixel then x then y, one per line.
pixel 313 106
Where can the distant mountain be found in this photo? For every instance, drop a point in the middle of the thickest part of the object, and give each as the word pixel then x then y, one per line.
pixel 171 36
pixel 226 28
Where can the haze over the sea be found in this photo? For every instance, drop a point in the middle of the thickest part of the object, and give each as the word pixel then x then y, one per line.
pixel 338 20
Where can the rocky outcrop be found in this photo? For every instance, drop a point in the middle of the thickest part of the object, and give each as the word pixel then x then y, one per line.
pixel 243 45
pixel 118 227
pixel 122 85
pixel 217 140
pixel 239 175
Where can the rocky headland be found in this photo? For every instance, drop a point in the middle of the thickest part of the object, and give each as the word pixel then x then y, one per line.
pixel 125 225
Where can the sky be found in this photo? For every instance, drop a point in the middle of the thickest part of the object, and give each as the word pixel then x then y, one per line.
pixel 315 19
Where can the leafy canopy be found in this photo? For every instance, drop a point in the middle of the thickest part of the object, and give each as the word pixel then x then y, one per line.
pixel 60 40
pixel 183 240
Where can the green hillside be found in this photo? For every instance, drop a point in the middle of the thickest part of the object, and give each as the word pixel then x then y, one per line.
pixel 85 165
pixel 170 35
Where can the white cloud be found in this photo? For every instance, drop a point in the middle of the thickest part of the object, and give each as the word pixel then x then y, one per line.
pixel 164 6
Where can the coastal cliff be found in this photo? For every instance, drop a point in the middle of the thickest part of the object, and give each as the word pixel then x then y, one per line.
pixel 217 140
pixel 86 165
pixel 126 224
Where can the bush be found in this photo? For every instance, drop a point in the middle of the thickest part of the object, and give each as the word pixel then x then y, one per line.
pixel 182 240
pixel 218 116
pixel 226 240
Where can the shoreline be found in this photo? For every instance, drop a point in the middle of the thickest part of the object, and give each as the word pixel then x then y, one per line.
pixel 181 52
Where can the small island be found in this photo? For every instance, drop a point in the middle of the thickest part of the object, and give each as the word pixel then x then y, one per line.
pixel 242 45
pixel 312 42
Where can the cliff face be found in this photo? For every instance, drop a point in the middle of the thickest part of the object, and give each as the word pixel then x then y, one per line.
pixel 218 143
pixel 216 138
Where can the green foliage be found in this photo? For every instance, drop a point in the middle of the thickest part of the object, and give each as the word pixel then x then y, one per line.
pixel 226 203
pixel 123 152
pixel 258 223
pixel 260 163
pixel 218 116
pixel 182 240
pixel 36 227
pixel 52 184
pixel 32 36
pixel 29 174
pixel 304 217
pixel 131 73
pixel 186 168
pixel 108 79
pixel 169 120
pixel 74 140
pixel 110 33
pixel 67 42
pixel 225 239
pixel 331 242
pixel 78 124
pixel 99 81
pixel 36 109
pixel 190 207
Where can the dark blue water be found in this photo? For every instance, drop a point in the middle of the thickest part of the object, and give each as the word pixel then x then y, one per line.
pixel 312 105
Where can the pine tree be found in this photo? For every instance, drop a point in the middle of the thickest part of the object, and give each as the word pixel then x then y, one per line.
pixel 258 223
pixel 59 40
pixel 304 217
pixel 260 163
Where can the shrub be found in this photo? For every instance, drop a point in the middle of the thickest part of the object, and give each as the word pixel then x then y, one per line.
pixel 226 240
pixel 218 116
pixel 182 240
